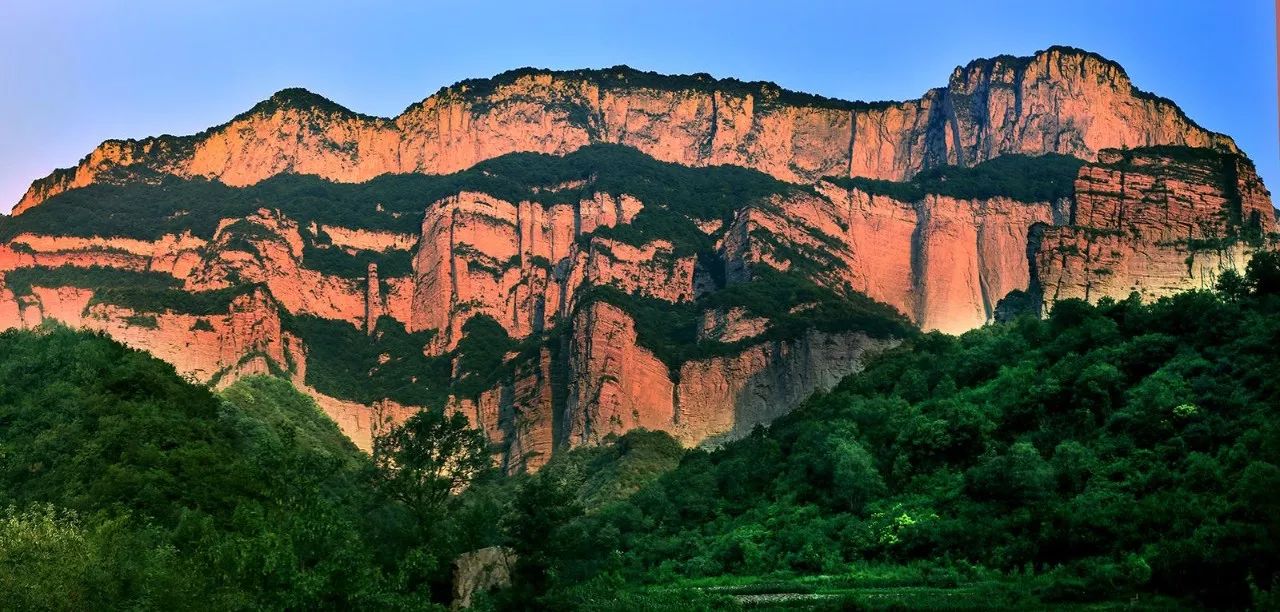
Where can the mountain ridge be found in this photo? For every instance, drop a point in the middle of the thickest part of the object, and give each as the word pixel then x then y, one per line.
pixel 562 261
pixel 727 122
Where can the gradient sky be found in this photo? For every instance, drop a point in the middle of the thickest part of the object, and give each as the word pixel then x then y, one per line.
pixel 75 73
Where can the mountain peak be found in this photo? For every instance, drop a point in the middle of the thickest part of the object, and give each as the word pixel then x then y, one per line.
pixel 299 99
pixel 1048 53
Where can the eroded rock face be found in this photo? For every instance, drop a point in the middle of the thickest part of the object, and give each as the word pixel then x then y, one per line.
pixel 1059 100
pixel 207 348
pixel 519 416
pixel 483 255
pixel 616 385
pixel 942 261
pixel 1155 221
pixel 479 571
pixel 763 382
pixel 1154 225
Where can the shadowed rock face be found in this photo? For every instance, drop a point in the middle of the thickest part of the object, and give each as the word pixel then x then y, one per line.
pixel 611 310
pixel 1060 100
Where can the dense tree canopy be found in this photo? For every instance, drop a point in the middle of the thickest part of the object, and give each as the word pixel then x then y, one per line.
pixel 1104 451
pixel 121 485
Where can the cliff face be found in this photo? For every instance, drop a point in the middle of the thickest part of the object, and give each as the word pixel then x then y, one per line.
pixel 1059 100
pixel 943 261
pixel 1155 223
pixel 557 301
pixel 214 348
pixel 1151 220
pixel 616 385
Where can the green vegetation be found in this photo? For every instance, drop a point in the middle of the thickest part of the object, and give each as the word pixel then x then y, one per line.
pixel 339 262
pixel 1108 456
pixel 616 470
pixel 124 487
pixel 1026 178
pixel 481 355
pixel 298 98
pixel 1105 452
pixel 1197 156
pixel 344 361
pixel 792 303
pixel 201 325
pixel 766 94
pixel 150 209
pixel 426 459
pixel 151 292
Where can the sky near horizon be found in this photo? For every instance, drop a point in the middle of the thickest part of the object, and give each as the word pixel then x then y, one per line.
pixel 77 73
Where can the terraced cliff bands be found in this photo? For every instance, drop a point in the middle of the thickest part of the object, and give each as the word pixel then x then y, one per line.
pixel 559 299
pixel 1060 100
pixel 1155 222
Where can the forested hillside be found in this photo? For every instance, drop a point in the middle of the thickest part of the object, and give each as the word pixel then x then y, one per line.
pixel 124 487
pixel 1113 453
pixel 1105 453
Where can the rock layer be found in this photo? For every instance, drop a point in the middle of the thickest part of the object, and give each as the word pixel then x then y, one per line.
pixel 1059 100
pixel 1155 224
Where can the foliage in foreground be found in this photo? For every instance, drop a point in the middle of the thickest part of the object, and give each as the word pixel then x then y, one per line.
pixel 1105 451
pixel 123 486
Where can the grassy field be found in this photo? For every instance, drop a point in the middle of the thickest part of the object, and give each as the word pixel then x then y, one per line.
pixel 918 587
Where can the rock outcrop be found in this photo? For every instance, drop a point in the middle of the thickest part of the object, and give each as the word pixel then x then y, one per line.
pixel 479 571
pixel 1059 100
pixel 1155 222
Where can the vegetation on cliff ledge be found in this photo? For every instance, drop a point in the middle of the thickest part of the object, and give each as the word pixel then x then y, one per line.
pixel 766 94
pixel 346 362
pixel 1025 178
pixel 144 291
pixel 149 209
pixel 791 304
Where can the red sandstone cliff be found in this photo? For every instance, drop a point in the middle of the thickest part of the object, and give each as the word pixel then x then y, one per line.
pixel 1153 221
pixel 1155 224
pixel 1059 100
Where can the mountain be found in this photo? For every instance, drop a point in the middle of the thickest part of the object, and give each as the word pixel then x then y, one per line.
pixel 564 256
pixel 1060 100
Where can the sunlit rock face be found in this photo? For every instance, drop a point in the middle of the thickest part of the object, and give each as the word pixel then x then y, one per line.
pixel 579 287
pixel 1155 224
pixel 1060 100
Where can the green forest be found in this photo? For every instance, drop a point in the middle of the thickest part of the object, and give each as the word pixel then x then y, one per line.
pixel 1110 455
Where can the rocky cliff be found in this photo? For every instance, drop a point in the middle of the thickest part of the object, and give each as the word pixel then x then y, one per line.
pixel 1060 100
pixel 557 300
pixel 1154 222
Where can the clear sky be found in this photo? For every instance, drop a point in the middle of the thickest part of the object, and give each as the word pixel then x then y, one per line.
pixel 75 73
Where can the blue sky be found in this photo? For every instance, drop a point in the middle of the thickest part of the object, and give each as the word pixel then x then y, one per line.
pixel 75 73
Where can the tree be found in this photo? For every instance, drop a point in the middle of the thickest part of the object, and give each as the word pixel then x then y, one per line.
pixel 854 474
pixel 1232 286
pixel 428 457
pixel 543 505
pixel 1263 273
